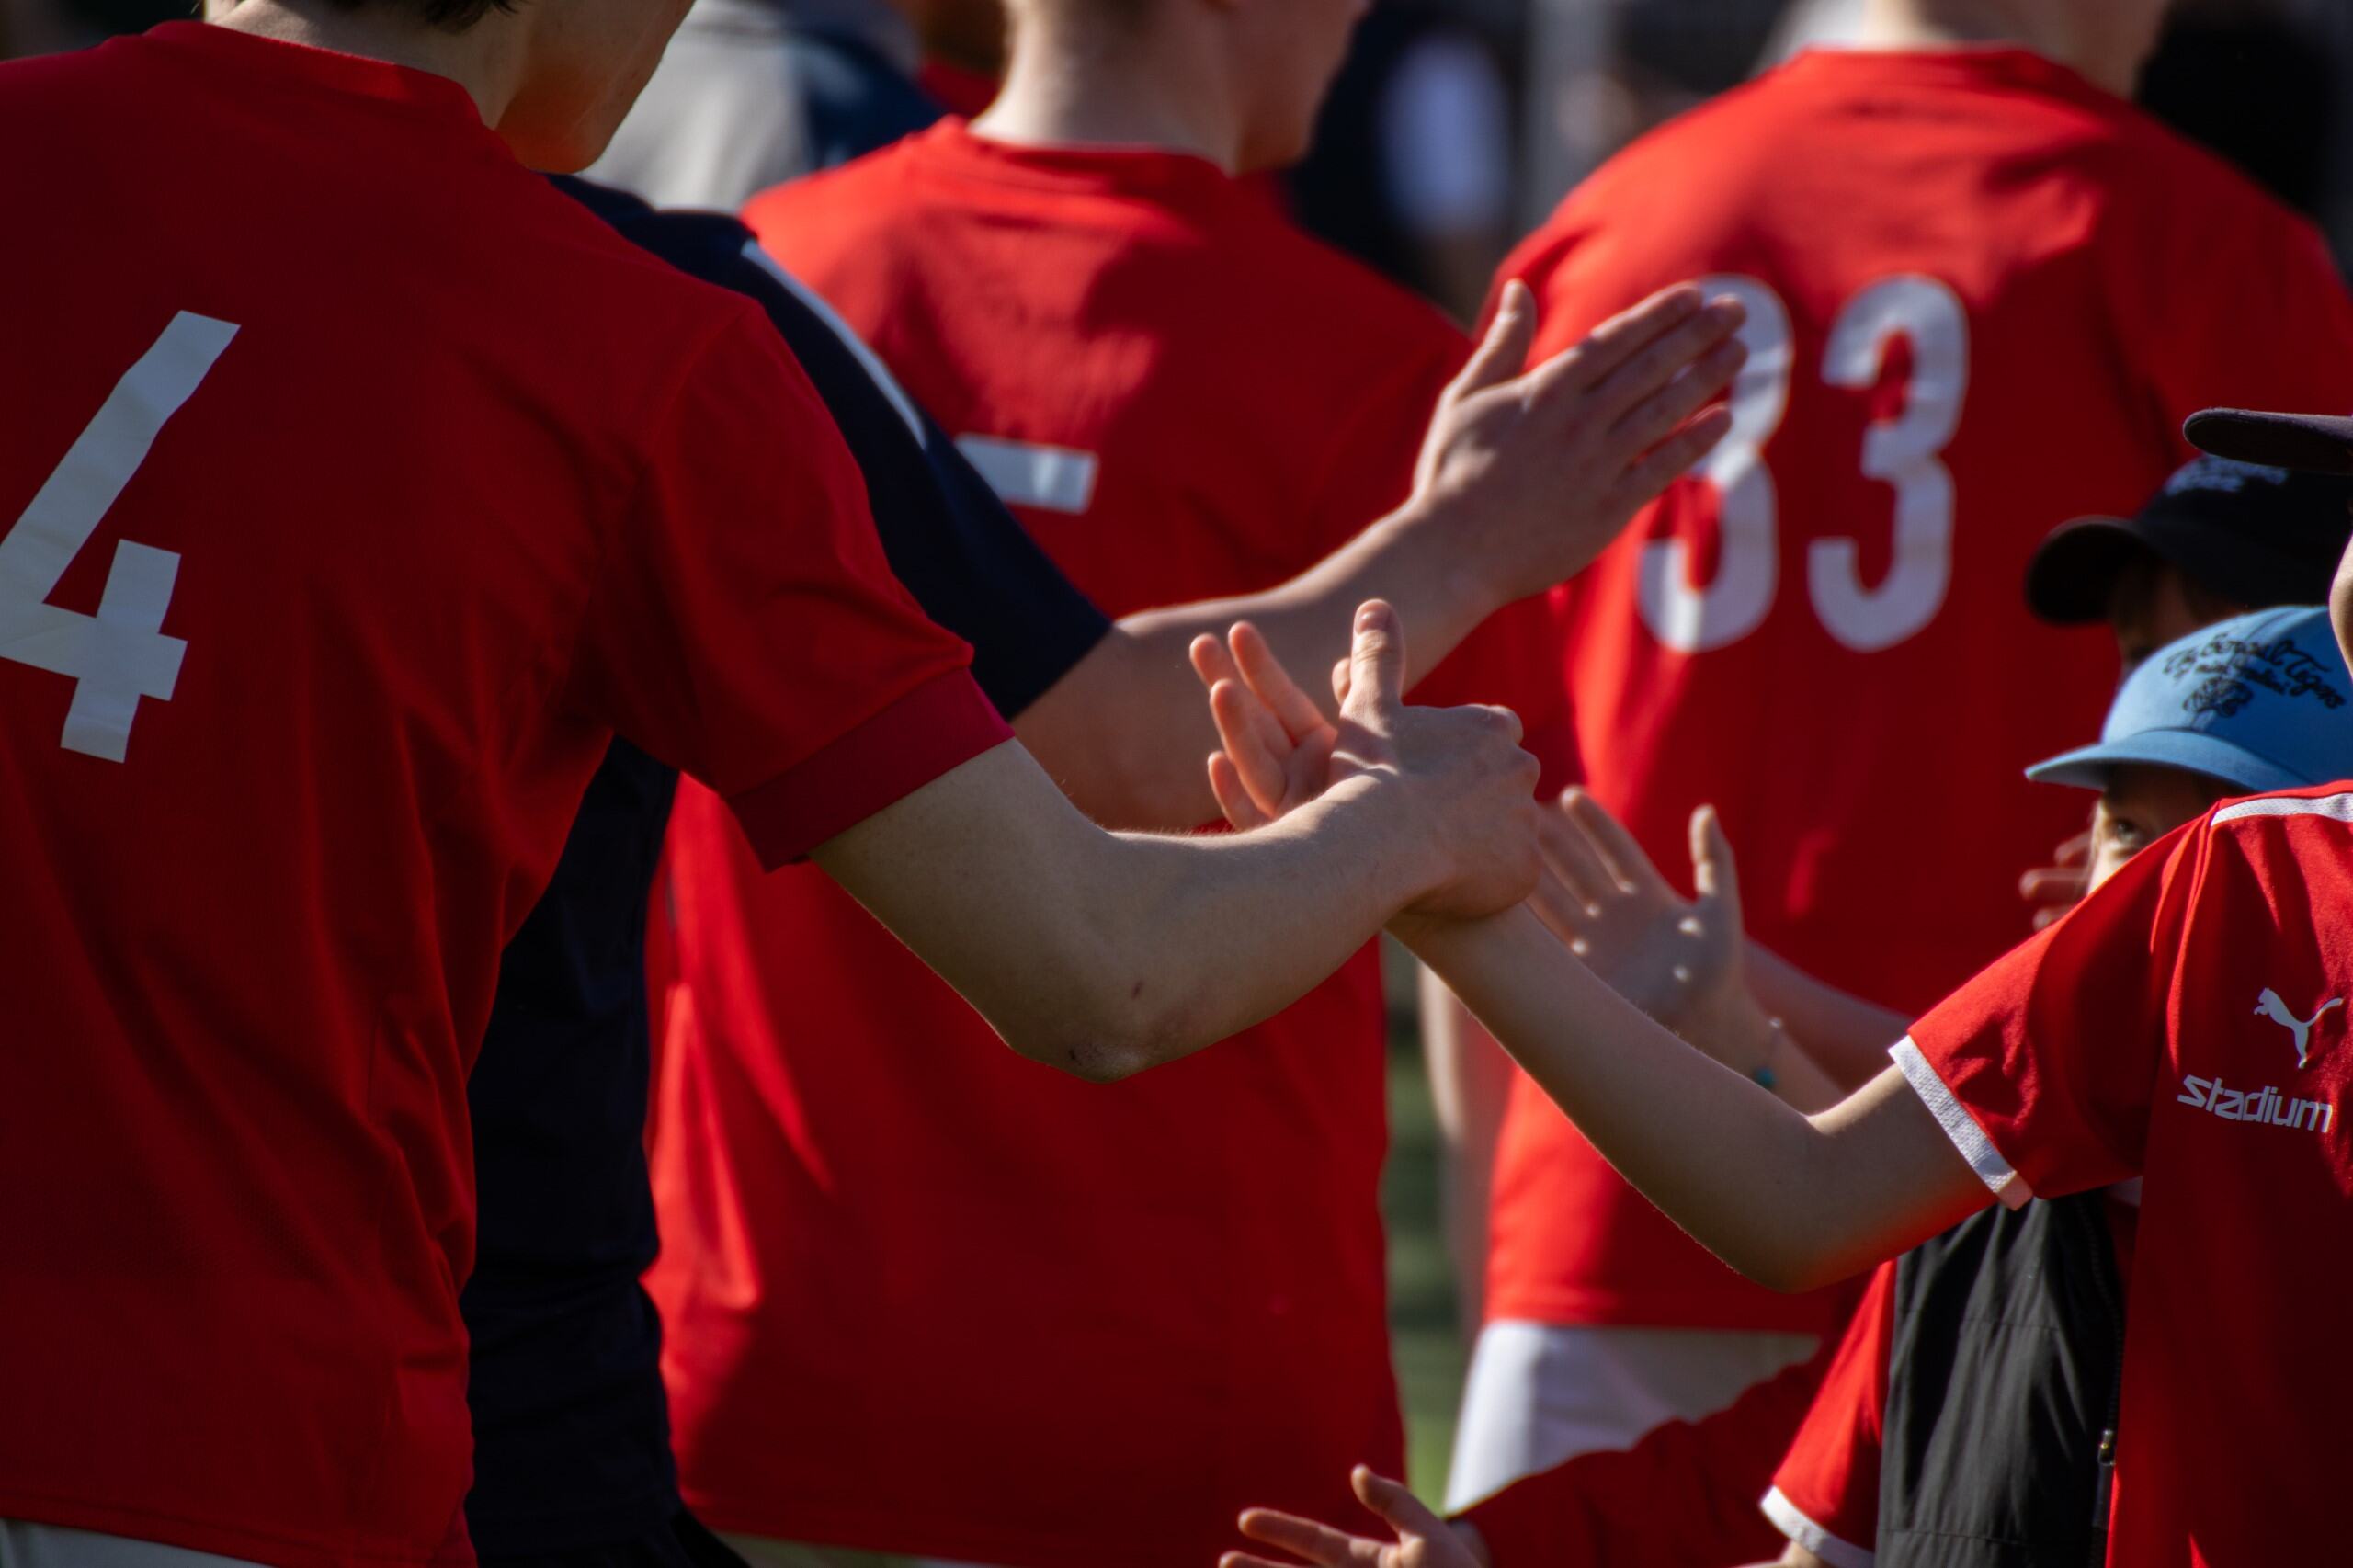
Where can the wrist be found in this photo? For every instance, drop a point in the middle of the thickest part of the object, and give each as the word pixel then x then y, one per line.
pixel 1450 586
pixel 1398 845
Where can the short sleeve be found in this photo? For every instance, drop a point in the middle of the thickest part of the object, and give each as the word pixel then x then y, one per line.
pixel 745 628
pixel 2231 301
pixel 948 538
pixel 2041 1070
pixel 1825 1494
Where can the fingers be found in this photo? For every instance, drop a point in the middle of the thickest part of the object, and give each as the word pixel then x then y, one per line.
pixel 1676 456
pixel 1568 852
pixel 1567 916
pixel 1712 870
pixel 1254 743
pixel 1241 811
pixel 1616 341
pixel 1405 1513
pixel 1377 659
pixel 1212 662
pixel 1340 683
pixel 1663 358
pixel 1660 414
pixel 1305 1538
pixel 1265 676
pixel 1502 352
pixel 1627 864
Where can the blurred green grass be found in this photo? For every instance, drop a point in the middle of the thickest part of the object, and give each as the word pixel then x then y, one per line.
pixel 1426 1335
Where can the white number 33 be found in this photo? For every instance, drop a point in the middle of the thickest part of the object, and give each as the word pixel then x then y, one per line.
pixel 120 655
pixel 1904 451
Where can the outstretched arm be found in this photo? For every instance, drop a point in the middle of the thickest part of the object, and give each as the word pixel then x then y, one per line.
pixel 1792 1201
pixel 1105 954
pixel 1524 479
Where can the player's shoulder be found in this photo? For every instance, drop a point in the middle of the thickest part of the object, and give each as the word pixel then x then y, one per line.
pixel 603 246
pixel 846 194
pixel 2323 809
pixel 1358 309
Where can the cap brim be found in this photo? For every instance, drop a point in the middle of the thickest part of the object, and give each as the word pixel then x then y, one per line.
pixel 2075 569
pixel 2317 443
pixel 2193 751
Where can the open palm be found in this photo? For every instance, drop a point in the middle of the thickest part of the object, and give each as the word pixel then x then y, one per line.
pixel 1676 959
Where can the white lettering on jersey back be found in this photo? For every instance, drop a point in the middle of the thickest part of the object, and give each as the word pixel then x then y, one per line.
pixel 1025 473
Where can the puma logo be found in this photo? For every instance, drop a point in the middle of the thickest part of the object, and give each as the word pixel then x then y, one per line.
pixel 2269 1006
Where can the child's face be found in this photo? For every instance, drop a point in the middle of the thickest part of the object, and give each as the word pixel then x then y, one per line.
pixel 2140 805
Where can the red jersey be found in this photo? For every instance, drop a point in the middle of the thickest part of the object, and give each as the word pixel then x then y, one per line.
pixel 1825 1494
pixel 2187 1024
pixel 356 488
pixel 1977 291
pixel 1024 1320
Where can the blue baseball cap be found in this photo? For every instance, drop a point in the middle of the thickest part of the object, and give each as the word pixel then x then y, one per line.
pixel 2262 702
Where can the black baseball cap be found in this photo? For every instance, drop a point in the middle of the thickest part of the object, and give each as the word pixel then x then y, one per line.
pixel 2257 533
pixel 2310 443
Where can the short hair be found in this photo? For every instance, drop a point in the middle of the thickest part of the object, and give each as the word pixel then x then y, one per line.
pixel 450 16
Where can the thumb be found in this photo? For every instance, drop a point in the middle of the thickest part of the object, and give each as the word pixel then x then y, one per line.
pixel 1403 1512
pixel 1713 875
pixel 1377 659
pixel 1502 353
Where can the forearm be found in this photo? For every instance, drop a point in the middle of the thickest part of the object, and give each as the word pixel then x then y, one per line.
pixel 1105 954
pixel 1791 1201
pixel 1470 1088
pixel 1125 731
pixel 1844 1035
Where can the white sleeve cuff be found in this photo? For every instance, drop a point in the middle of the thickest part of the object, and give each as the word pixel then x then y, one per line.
pixel 1961 1127
pixel 1813 1537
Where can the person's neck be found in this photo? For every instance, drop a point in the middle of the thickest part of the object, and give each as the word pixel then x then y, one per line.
pixel 2045 27
pixel 1166 94
pixel 481 60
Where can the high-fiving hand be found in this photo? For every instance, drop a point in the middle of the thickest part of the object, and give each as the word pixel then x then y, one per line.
pixel 1472 787
pixel 1528 475
pixel 1676 959
pixel 1423 1540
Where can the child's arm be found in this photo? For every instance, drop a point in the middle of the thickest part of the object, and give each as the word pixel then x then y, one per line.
pixel 1791 1201
pixel 1845 1035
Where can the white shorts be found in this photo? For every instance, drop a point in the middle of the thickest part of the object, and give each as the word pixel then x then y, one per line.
pixel 53 1546
pixel 1539 1393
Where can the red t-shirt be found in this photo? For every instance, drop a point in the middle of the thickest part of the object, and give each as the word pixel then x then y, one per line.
pixel 358 487
pixel 1019 1319
pixel 1826 1495
pixel 2187 1024
pixel 1984 295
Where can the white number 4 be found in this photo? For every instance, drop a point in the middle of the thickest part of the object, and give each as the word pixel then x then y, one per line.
pixel 120 655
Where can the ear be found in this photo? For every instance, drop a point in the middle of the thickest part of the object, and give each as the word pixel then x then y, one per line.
pixel 2340 604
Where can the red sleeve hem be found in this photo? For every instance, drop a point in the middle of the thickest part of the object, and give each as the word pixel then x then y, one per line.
pixel 940 725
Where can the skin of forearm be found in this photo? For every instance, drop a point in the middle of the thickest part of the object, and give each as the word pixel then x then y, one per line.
pixel 1470 1088
pixel 1793 1203
pixel 1847 1036
pixel 1102 955
pixel 1124 733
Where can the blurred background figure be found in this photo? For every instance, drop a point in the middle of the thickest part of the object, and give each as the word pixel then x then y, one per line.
pixel 1415 163
pixel 753 93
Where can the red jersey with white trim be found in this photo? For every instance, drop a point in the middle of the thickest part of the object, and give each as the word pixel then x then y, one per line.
pixel 1983 296
pixel 1026 1320
pixel 356 489
pixel 2188 1025
pixel 1826 1495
